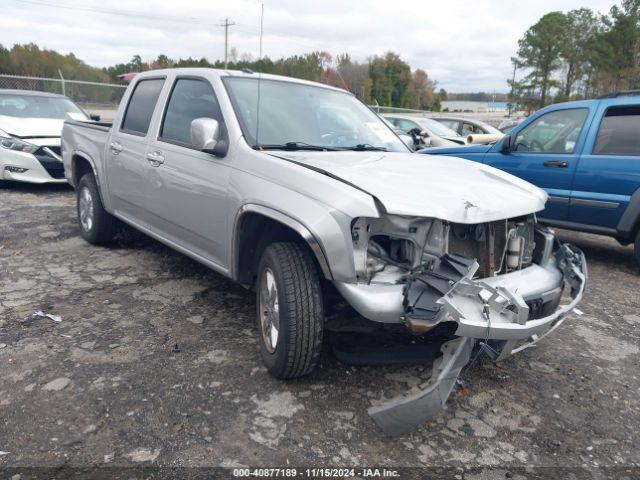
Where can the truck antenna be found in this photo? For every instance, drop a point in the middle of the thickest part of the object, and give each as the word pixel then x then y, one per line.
pixel 259 75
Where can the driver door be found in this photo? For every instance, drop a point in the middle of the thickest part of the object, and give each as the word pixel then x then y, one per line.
pixel 545 152
pixel 187 188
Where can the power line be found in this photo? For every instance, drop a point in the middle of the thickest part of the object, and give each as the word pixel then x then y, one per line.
pixel 285 38
pixel 112 11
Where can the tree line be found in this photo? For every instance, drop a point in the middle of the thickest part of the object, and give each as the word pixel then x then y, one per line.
pixel 578 54
pixel 385 79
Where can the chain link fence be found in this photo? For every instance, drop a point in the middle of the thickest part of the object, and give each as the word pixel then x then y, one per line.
pixel 381 109
pixel 102 98
pixel 491 117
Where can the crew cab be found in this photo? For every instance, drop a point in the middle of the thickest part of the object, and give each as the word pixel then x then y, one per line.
pixel 30 127
pixel 296 189
pixel 585 154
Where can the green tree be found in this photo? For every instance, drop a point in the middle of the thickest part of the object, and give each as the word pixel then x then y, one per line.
pixel 618 48
pixel 391 80
pixel 576 49
pixel 539 51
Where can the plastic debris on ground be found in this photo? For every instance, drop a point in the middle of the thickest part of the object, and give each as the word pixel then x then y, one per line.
pixel 55 318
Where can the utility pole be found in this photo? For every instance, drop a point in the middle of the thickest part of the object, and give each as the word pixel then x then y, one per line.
pixel 261 30
pixel 226 26
pixel 513 83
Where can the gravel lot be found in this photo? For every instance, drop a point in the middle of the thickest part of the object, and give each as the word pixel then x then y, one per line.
pixel 107 386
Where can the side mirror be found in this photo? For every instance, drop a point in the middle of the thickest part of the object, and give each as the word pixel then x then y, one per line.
pixel 206 136
pixel 95 117
pixel 505 147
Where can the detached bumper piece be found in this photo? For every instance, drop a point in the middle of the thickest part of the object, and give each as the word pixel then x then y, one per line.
pixel 404 414
pixel 483 309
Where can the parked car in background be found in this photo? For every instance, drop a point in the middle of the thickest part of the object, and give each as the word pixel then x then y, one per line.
pixel 586 155
pixel 408 139
pixel 298 190
pixel 30 127
pixel 432 133
pixel 467 126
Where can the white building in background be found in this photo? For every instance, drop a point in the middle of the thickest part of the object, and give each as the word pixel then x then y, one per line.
pixel 471 106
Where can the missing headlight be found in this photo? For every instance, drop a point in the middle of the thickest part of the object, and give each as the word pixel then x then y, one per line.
pixel 387 249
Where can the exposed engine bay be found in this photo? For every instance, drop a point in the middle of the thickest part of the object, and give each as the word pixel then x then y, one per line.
pixel 389 249
pixel 499 283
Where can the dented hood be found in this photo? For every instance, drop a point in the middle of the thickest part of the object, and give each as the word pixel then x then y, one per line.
pixel 447 188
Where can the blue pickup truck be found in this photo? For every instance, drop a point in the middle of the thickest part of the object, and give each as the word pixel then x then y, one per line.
pixel 585 154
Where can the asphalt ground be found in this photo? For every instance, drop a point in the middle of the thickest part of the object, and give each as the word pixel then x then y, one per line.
pixel 155 365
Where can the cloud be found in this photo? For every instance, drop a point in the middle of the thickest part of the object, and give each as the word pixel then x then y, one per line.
pixel 464 46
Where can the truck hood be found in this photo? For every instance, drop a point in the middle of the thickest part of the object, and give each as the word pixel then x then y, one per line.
pixel 31 127
pixel 447 188
pixel 457 150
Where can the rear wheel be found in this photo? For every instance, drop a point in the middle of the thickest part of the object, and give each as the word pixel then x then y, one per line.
pixel 289 310
pixel 97 226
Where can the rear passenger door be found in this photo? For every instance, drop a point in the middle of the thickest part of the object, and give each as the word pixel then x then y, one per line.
pixel 126 165
pixel 609 169
pixel 187 188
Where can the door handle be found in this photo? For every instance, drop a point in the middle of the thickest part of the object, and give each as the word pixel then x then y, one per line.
pixel 116 148
pixel 556 163
pixel 155 159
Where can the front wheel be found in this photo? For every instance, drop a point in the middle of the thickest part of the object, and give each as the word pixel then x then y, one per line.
pixel 97 226
pixel 289 310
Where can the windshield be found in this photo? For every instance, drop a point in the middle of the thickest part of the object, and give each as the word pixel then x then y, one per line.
pixel 306 116
pixel 436 127
pixel 36 106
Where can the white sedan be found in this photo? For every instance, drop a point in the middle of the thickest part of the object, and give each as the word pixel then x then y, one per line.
pixel 30 127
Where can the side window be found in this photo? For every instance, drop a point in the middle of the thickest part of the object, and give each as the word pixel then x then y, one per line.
pixel 190 99
pixel 553 132
pixel 141 104
pixel 619 132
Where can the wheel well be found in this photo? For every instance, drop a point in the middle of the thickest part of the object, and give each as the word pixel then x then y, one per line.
pixel 80 166
pixel 255 233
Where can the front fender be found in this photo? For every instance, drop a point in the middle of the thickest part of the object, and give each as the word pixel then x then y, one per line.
pixel 290 222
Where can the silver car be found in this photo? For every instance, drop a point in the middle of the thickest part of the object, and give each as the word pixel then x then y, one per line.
pixel 434 134
pixel 297 190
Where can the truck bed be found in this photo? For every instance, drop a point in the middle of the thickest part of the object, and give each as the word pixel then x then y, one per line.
pixel 89 138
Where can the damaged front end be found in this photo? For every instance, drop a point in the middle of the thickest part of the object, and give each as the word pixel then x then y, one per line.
pixel 500 283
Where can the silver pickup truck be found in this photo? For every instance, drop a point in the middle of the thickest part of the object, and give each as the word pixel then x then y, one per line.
pixel 290 187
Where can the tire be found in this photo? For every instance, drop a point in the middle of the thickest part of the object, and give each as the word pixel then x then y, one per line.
pixel 636 248
pixel 298 312
pixel 97 226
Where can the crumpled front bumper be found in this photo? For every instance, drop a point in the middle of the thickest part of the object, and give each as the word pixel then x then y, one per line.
pixel 493 309
pixel 497 309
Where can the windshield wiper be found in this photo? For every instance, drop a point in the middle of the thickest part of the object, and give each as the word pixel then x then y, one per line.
pixel 362 147
pixel 294 146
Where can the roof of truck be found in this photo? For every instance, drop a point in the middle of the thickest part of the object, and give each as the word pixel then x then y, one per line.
pixel 231 73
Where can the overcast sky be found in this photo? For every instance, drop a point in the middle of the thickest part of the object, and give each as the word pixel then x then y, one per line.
pixel 463 45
